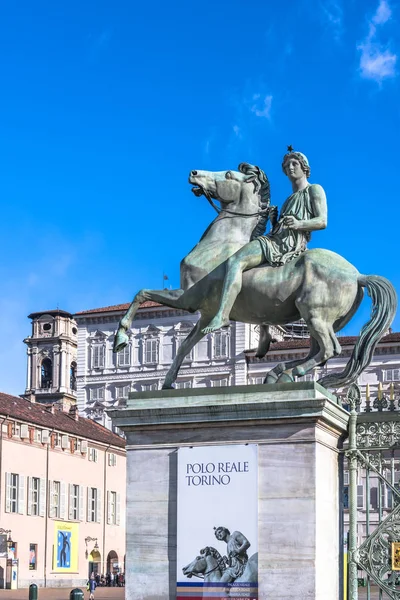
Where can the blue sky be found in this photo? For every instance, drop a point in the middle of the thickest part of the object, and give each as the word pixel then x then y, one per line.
pixel 106 107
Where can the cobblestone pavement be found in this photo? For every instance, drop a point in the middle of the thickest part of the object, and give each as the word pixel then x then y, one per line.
pixel 102 593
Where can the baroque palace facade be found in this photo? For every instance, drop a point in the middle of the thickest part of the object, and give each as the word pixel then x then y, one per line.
pixel 97 379
pixel 223 358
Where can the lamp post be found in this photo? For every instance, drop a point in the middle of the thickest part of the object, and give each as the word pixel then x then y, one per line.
pixel 95 547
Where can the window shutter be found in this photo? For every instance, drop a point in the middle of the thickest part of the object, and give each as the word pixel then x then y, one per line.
pixel 109 460
pixel 51 500
pixel 52 441
pixel 9 430
pixel 95 454
pixel 98 506
pixel 118 510
pixel 24 432
pixel 8 491
pixel 81 503
pixel 21 494
pixel 109 508
pixel 42 497
pixel 29 508
pixel 88 505
pixel 71 501
pixel 63 499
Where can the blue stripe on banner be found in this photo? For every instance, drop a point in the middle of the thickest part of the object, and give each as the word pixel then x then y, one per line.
pixel 215 584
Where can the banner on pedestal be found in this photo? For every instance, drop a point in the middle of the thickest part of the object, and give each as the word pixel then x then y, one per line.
pixel 217 522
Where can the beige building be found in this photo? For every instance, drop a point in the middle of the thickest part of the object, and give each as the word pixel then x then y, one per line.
pixel 62 496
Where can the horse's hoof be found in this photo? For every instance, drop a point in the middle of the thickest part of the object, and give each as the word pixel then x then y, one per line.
pixel 285 378
pixel 121 340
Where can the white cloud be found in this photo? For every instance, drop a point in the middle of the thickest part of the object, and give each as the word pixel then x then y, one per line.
pixel 377 61
pixel 236 130
pixel 263 110
pixel 332 12
pixel 383 13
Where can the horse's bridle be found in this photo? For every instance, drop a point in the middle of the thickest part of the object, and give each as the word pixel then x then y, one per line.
pixel 218 210
pixel 204 574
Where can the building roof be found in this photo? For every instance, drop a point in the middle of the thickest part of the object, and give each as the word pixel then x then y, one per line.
pixel 53 313
pixel 118 308
pixel 345 340
pixel 29 412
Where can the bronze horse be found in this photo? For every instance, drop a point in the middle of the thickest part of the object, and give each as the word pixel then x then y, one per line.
pixel 319 286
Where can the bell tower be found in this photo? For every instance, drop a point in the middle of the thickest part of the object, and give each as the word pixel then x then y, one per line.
pixel 52 354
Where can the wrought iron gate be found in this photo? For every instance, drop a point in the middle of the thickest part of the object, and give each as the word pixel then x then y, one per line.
pixel 373 462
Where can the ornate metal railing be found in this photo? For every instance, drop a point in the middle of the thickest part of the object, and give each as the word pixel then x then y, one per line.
pixel 374 453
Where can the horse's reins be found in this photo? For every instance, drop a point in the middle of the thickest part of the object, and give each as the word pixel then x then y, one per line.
pixel 204 574
pixel 231 212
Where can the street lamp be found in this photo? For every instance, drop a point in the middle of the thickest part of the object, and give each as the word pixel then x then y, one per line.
pixel 90 539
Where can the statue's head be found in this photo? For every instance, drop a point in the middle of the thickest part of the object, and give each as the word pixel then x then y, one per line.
pixel 221 532
pixel 296 157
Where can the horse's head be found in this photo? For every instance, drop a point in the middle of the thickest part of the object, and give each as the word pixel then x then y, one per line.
pixel 210 562
pixel 246 190
pixel 196 567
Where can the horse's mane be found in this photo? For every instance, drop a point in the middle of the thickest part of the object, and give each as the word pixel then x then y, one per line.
pixel 209 550
pixel 261 185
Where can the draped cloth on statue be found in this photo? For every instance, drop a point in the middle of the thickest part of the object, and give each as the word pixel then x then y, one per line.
pixel 282 244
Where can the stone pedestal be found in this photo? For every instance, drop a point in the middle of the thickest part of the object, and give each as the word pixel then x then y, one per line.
pixel 298 428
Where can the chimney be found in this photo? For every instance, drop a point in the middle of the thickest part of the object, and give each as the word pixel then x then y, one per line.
pixel 73 411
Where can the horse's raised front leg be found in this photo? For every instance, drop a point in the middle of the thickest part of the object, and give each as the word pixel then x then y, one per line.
pixel 172 298
pixel 186 346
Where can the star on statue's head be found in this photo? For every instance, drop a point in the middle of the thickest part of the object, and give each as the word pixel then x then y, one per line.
pixel 290 148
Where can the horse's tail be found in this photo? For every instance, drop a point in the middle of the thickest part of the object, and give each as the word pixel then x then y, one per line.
pixel 384 306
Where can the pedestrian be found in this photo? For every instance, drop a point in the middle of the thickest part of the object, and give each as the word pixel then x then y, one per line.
pixel 112 579
pixel 91 586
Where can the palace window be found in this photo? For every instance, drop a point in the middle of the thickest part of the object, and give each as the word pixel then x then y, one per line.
pixel 12 492
pixel 55 500
pixel 181 385
pixel 391 375
pixel 113 508
pixel 151 351
pixel 124 357
pixel 220 345
pixel 33 496
pixel 75 502
pixel 122 392
pixel 97 394
pixel 93 505
pixel 256 380
pixel 98 356
pixel 149 387
pixel 219 382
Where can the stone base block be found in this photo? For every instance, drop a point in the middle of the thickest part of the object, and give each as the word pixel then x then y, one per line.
pixel 298 429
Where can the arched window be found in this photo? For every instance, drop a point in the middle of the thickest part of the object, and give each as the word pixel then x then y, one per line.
pixel 72 376
pixel 46 374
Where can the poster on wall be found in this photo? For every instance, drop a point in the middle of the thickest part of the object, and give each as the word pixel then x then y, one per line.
pixel 217 522
pixel 65 558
